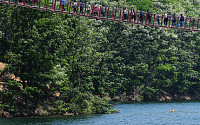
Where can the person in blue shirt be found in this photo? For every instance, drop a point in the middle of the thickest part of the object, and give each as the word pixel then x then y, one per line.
pixel 63 4
pixel 34 2
pixel 81 6
pixel 103 10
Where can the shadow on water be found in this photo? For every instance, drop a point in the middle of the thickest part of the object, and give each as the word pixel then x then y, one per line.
pixel 53 120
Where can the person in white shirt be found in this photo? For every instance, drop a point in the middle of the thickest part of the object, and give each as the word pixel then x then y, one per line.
pixel 88 9
pixel 74 6
pixel 165 19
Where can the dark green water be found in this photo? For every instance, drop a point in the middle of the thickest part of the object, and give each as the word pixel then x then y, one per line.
pixel 185 113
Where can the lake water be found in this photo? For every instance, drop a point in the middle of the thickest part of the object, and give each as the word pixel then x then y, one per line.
pixel 148 113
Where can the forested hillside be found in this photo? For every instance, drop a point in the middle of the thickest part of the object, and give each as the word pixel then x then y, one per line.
pixel 73 65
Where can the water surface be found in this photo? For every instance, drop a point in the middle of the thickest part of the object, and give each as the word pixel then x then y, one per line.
pixel 151 113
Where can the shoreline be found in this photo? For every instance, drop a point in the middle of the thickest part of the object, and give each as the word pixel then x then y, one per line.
pixel 4 114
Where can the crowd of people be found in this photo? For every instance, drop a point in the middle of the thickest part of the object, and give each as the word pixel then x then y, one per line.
pixel 141 15
pixel 127 14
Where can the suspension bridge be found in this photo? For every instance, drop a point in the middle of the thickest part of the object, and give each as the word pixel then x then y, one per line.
pixel 110 13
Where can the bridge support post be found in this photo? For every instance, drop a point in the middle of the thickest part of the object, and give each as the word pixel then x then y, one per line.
pixel 32 3
pixel 120 14
pixel 112 13
pixel 108 13
pixel 123 16
pixel 189 23
pixel 154 19
pixel 146 18
pixel 85 8
pixel 138 17
pixel 115 13
pixel 162 20
pixel 54 6
pixel 177 23
pixel 185 23
pixel 169 21
pixel 92 11
pixel 193 24
pixel 99 13
pixel 131 15
pixel 70 6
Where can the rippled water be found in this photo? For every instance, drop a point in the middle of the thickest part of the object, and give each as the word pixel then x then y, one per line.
pixel 152 113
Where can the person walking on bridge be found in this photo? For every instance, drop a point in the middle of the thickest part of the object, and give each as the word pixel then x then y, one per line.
pixel 95 9
pixel 149 16
pixel 182 19
pixel 34 1
pixel 74 6
pixel 81 6
pixel 132 13
pixel 174 20
pixel 158 18
pixel 88 9
pixel 63 5
pixel 165 19
pixel 141 16
pixel 125 13
pixel 103 10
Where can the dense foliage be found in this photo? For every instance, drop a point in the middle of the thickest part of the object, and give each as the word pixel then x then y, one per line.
pixel 71 64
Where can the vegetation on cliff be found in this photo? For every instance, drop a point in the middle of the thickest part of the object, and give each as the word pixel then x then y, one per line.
pixel 70 65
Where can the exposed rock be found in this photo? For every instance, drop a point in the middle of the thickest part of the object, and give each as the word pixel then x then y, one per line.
pixel 1 87
pixel 124 98
pixel 41 112
pixel 163 96
pixel 69 114
pixel 5 114
pixel 57 94
pixel 2 65
pixel 116 98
